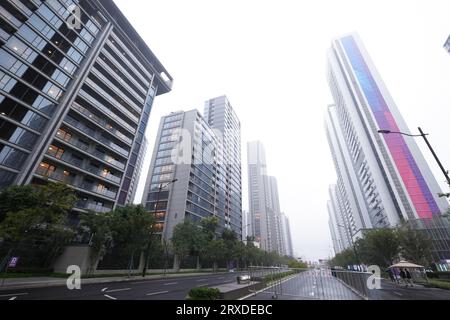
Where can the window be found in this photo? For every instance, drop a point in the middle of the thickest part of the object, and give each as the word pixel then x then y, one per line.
pixel 46 169
pixel 55 152
pixel 64 135
pixel 14 134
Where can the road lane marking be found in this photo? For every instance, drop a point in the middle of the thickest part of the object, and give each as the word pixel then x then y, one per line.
pixel 104 289
pixel 12 295
pixel 202 285
pixel 118 290
pixel 398 293
pixel 199 280
pixel 13 298
pixel 108 296
pixel 155 293
pixel 170 283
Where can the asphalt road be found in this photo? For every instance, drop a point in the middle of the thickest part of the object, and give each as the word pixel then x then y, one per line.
pixel 174 288
pixel 308 285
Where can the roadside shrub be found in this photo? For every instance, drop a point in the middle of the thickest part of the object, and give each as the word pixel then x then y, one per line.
pixel 277 276
pixel 204 294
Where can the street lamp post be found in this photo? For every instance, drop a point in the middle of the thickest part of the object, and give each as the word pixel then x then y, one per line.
pixel 424 136
pixel 147 251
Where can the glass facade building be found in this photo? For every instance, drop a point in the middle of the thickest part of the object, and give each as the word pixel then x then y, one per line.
pixel 383 180
pixel 74 99
pixel 188 150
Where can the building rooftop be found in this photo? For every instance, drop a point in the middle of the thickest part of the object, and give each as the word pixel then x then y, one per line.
pixel 163 78
pixel 447 45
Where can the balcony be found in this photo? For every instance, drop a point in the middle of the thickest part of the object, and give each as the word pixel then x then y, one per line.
pixel 108 159
pixel 86 205
pixel 101 173
pixel 104 109
pixel 97 189
pixel 58 176
pixel 79 164
pixel 109 99
pixel 102 123
pixel 96 136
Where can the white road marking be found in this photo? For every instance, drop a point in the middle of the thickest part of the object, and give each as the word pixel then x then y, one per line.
pixel 199 280
pixel 312 294
pixel 202 285
pixel 155 293
pixel 112 298
pixel 12 295
pixel 118 290
pixel 398 293
pixel 170 283
pixel 104 289
pixel 13 298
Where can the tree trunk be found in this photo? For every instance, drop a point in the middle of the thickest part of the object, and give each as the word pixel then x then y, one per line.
pixel 198 263
pixel 130 265
pixel 176 263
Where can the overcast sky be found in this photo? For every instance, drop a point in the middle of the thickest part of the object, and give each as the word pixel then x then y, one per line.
pixel 268 57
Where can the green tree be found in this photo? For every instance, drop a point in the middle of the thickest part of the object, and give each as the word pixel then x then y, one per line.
pixel 185 236
pixel 98 226
pixel 215 251
pixel 295 264
pixel 209 227
pixel 230 240
pixel 343 259
pixel 40 221
pixel 18 198
pixel 415 245
pixel 379 247
pixel 133 230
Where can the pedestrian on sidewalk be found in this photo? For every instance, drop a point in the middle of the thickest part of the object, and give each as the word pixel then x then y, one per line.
pixel 408 278
pixel 403 276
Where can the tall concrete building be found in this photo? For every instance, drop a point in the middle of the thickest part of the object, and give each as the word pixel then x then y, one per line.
pixel 258 196
pixel 382 179
pixel 221 117
pixel 269 226
pixel 447 45
pixel 340 233
pixel 189 150
pixel 137 173
pixel 74 99
pixel 287 247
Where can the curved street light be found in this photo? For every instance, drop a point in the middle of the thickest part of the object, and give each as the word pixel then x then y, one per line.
pixel 423 135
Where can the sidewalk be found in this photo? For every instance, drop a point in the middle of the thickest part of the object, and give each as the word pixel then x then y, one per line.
pixel 43 282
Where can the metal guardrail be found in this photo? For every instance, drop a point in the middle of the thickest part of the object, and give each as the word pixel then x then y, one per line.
pixel 308 284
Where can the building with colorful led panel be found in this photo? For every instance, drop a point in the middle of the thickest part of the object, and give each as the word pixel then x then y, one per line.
pixel 383 179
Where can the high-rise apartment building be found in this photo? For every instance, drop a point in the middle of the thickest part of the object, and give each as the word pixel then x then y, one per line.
pixel 221 117
pixel 269 226
pixel 447 45
pixel 77 84
pixel 189 151
pixel 137 173
pixel 257 195
pixel 382 179
pixel 287 247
